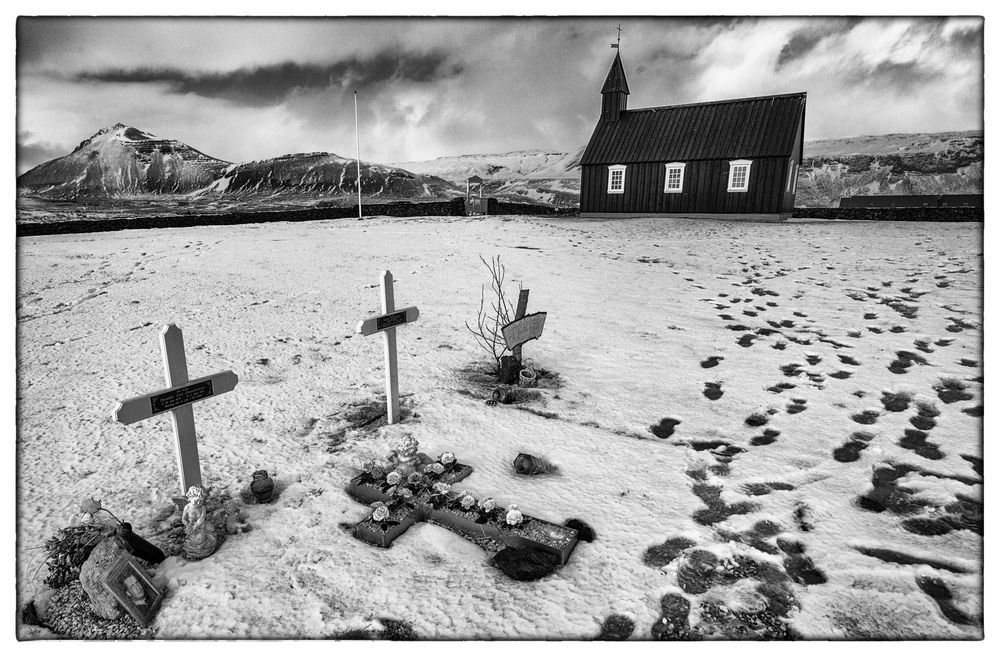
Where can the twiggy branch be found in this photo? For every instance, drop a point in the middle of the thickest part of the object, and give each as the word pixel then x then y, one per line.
pixel 489 324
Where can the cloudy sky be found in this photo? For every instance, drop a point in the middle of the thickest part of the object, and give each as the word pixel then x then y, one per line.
pixel 244 89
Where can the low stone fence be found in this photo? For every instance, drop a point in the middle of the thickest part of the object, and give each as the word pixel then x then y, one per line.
pixel 892 214
pixel 502 207
pixel 452 208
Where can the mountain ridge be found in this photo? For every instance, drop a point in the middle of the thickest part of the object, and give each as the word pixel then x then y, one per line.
pixel 120 161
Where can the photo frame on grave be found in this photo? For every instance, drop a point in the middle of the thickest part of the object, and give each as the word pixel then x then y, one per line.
pixel 134 589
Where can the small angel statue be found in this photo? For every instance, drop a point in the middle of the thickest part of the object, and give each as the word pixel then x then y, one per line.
pixel 200 538
pixel 404 454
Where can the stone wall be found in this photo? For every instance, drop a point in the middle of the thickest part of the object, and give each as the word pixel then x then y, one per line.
pixel 453 208
pixel 501 207
pixel 892 214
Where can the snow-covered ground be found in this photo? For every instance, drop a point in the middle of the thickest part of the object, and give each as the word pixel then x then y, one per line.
pixel 636 309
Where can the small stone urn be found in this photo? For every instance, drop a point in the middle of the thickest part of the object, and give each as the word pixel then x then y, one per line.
pixel 262 487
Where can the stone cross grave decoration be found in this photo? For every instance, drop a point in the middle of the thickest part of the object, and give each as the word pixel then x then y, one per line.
pixel 386 324
pixel 524 327
pixel 432 501
pixel 178 398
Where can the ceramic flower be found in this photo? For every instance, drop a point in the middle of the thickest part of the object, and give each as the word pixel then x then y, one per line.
pixel 414 478
pixel 441 487
pixel 380 513
pixel 514 516
pixel 405 493
pixel 437 468
pixel 393 478
pixel 406 445
pixel 488 504
pixel 447 458
pixel 467 501
pixel 90 505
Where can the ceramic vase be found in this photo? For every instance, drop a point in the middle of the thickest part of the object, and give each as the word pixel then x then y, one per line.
pixel 262 486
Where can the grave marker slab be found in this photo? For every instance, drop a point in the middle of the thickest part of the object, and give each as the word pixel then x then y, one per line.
pixel 522 330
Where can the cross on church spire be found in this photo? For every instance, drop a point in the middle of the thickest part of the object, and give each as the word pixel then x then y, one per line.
pixel 619 43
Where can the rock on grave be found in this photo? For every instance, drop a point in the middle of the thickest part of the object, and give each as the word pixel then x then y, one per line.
pixel 92 574
pixel 525 564
pixel 583 531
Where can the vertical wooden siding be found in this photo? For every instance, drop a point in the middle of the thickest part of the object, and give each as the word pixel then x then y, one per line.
pixel 705 184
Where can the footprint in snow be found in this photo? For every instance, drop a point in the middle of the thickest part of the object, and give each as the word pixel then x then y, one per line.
pixel 712 391
pixel 665 428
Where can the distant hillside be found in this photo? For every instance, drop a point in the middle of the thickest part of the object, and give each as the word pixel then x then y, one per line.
pixel 501 166
pixel 919 163
pixel 532 176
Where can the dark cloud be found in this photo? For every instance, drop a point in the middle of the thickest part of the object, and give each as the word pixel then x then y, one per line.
pixel 269 85
pixel 902 77
pixel 968 40
pixel 31 153
pixel 803 41
pixel 669 55
pixel 713 22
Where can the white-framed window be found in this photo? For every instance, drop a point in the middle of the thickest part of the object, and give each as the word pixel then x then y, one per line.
pixel 793 177
pixel 739 175
pixel 675 178
pixel 616 179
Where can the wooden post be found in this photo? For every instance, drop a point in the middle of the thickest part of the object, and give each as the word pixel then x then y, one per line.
pixel 357 137
pixel 522 307
pixel 176 372
pixel 391 373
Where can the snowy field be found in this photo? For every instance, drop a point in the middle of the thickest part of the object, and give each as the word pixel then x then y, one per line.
pixel 840 468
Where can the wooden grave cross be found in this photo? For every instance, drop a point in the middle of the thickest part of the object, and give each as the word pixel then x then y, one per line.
pixel 178 398
pixel 386 324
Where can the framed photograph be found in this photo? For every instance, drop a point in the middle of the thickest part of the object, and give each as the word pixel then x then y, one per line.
pixel 134 589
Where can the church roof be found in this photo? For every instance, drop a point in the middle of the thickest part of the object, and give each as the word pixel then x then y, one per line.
pixel 616 77
pixel 765 126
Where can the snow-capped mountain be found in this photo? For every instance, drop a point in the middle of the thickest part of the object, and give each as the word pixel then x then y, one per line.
pixel 326 174
pixel 122 160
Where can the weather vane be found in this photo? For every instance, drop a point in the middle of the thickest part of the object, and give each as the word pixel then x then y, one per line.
pixel 618 45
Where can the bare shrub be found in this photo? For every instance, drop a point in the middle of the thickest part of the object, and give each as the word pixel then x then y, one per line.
pixel 494 316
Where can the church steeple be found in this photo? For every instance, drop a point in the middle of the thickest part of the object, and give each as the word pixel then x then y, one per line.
pixel 615 92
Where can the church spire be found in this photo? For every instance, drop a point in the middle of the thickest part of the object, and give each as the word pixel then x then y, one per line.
pixel 615 91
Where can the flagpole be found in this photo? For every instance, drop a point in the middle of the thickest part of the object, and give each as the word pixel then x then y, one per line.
pixel 357 138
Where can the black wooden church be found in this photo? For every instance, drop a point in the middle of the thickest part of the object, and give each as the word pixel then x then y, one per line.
pixel 735 159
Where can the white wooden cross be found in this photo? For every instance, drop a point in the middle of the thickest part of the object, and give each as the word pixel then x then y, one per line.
pixel 177 398
pixel 386 323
